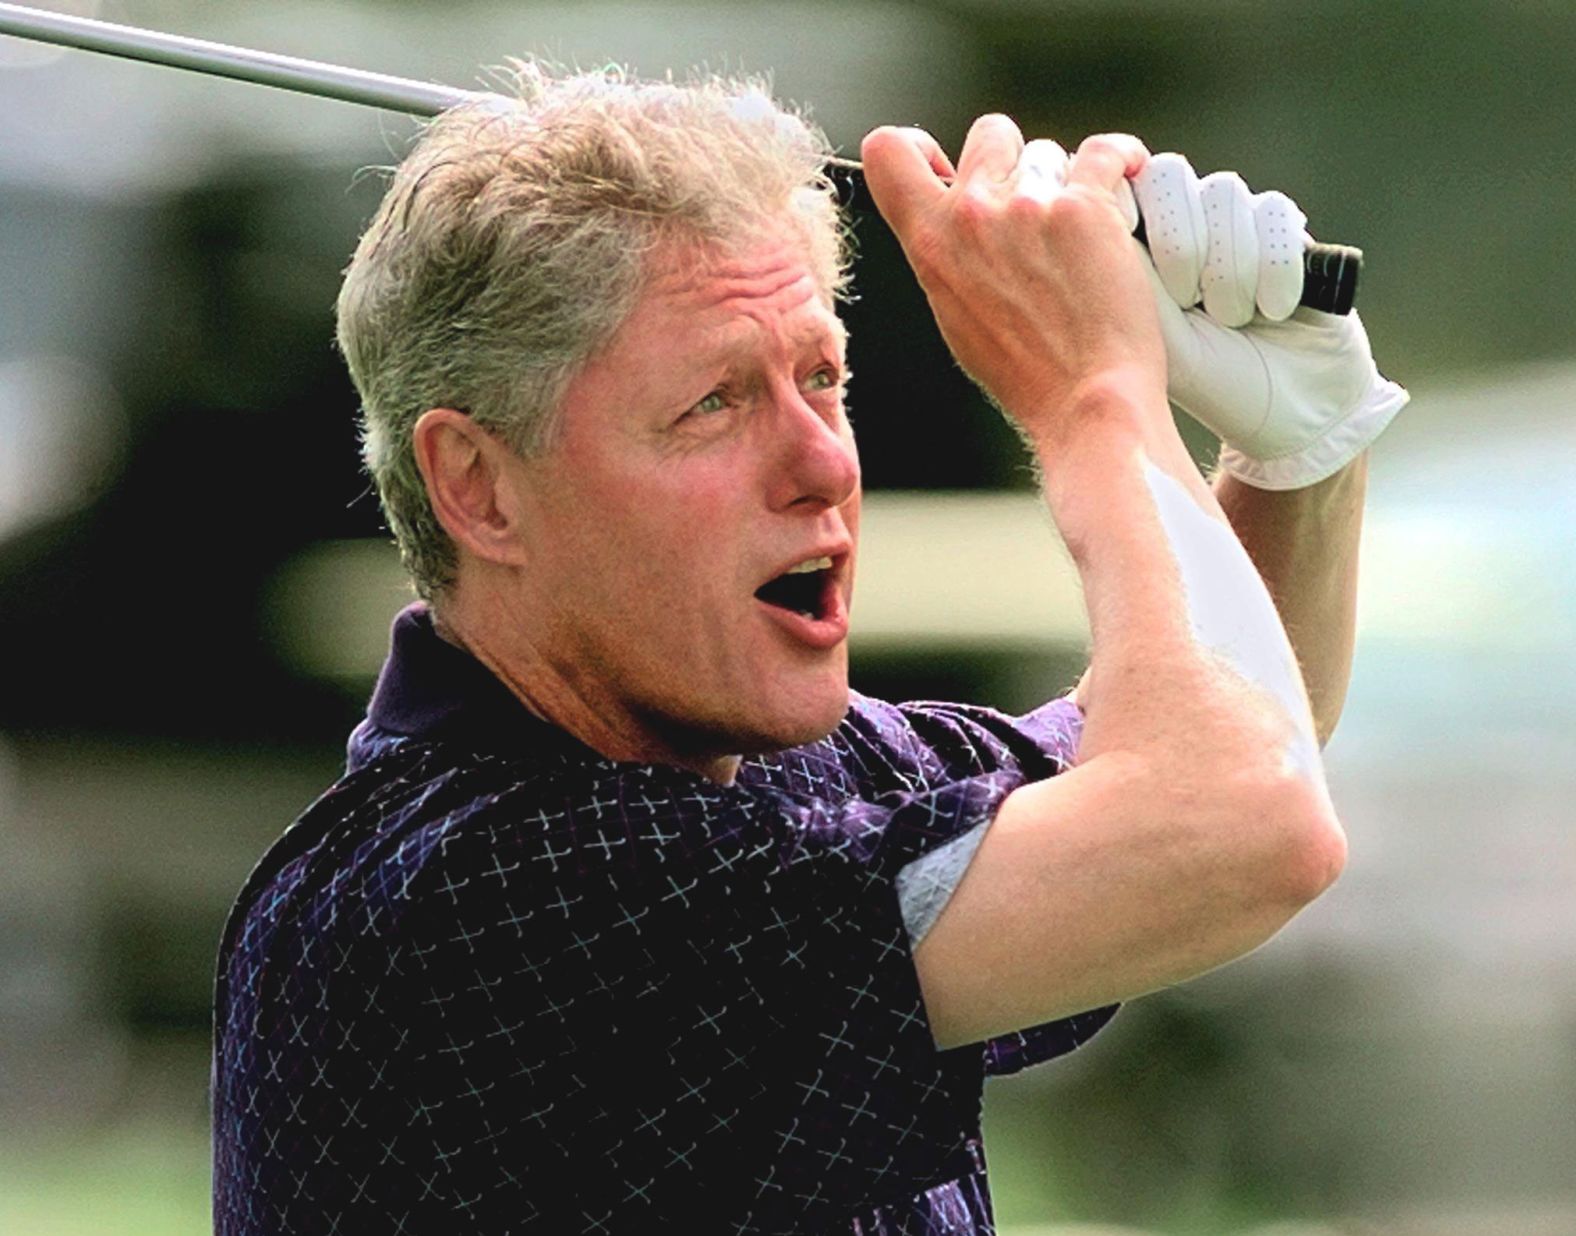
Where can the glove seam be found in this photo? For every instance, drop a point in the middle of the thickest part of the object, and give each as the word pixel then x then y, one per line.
pixel 1269 381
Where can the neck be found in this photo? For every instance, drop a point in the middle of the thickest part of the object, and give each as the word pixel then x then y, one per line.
pixel 555 698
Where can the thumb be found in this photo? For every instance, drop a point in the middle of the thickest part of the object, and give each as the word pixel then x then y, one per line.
pixel 904 170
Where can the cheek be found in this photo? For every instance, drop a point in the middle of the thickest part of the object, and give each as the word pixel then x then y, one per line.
pixel 681 540
pixel 663 534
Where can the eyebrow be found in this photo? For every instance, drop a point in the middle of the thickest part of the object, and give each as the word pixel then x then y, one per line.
pixel 812 337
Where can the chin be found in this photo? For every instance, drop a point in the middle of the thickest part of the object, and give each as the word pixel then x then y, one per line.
pixel 807 708
pixel 809 724
pixel 778 725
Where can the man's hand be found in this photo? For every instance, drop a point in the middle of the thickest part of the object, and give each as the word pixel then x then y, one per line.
pixel 1293 393
pixel 1028 263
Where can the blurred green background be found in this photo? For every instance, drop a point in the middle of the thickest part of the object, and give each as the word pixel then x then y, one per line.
pixel 194 590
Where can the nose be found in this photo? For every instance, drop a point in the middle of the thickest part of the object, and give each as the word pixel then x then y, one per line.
pixel 817 462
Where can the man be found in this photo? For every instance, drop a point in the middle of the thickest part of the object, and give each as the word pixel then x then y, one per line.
pixel 625 918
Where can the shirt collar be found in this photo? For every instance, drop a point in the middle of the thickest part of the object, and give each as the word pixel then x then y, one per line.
pixel 429 688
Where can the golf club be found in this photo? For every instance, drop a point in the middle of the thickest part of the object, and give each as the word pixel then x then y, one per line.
pixel 1330 272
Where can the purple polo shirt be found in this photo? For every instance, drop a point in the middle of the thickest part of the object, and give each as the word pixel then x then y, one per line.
pixel 491 982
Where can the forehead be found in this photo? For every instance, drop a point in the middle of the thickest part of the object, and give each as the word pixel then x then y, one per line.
pixel 699 293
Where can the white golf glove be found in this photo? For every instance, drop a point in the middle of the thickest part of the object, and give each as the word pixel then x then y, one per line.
pixel 1293 393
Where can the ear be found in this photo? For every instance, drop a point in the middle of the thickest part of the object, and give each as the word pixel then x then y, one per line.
pixel 468 475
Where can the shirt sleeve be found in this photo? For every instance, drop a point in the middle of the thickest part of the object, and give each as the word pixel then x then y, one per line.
pixel 737 965
pixel 965 740
pixel 925 885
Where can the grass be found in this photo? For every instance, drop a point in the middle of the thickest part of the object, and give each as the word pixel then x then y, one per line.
pixel 148 1179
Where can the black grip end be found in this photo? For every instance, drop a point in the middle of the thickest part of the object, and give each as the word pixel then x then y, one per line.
pixel 1329 277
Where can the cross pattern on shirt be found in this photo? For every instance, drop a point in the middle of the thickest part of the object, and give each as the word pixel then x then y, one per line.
pixel 494 982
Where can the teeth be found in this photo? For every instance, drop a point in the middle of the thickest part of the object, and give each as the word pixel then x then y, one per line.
pixel 814 564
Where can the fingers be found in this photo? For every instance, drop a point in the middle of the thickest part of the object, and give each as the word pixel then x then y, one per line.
pixel 1168 196
pixel 1281 243
pixel 906 171
pixel 1213 241
pixel 1100 155
pixel 1107 162
pixel 1036 285
pixel 1231 267
pixel 991 150
pixel 1041 171
pixel 1107 158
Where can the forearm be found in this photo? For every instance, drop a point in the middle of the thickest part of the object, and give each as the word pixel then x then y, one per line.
pixel 1196 821
pixel 1189 661
pixel 1304 543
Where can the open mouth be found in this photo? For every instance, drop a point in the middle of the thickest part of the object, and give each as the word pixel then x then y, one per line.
pixel 802 589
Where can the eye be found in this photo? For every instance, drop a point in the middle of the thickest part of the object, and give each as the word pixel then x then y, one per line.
pixel 824 379
pixel 713 403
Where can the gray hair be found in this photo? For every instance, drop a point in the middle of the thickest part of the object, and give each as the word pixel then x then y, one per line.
pixel 512 243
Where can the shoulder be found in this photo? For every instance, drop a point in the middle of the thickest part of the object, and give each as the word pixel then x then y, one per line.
pixel 815 824
pixel 364 838
pixel 418 821
pixel 882 748
pixel 925 743
pixel 447 819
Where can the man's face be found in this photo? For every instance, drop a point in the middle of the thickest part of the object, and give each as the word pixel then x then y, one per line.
pixel 704 457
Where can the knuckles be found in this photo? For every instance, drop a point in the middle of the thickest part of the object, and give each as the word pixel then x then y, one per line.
pixel 888 144
pixel 1074 209
pixel 1025 208
pixel 987 219
pixel 980 211
pixel 974 206
pixel 998 120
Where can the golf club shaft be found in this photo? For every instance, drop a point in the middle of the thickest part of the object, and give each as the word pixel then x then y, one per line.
pixel 326 81
pixel 1330 272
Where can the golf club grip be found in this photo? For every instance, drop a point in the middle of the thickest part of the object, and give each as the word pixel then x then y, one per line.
pixel 1329 275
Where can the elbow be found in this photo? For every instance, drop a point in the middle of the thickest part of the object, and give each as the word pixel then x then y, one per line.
pixel 1307 850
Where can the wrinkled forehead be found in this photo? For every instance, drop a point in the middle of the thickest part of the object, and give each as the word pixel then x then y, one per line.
pixel 769 275
pixel 678 250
